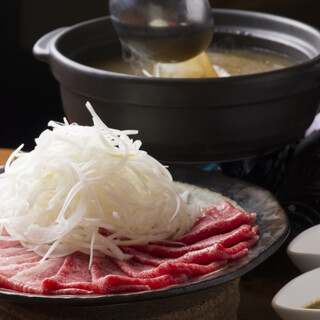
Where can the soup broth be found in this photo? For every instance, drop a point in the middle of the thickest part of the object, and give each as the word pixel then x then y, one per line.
pixel 226 63
pixel 242 62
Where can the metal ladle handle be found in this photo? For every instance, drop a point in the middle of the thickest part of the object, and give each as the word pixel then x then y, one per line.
pixel 163 30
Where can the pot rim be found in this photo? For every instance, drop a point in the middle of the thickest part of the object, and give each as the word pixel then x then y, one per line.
pixel 269 86
pixel 85 68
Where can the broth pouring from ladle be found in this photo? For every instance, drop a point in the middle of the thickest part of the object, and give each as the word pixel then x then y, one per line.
pixel 163 30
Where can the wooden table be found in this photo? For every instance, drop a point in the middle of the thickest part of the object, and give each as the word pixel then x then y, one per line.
pixel 4 155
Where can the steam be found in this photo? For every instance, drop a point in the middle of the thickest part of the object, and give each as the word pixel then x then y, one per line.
pixel 139 64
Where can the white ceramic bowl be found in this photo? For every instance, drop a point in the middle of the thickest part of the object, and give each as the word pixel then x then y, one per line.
pixel 291 301
pixel 304 250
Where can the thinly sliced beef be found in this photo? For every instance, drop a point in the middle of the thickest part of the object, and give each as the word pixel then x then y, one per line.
pixel 10 252
pixel 218 219
pixel 102 268
pixel 9 244
pixel 12 269
pixel 138 270
pixel 30 280
pixel 221 235
pixel 216 252
pixel 21 258
pixel 228 239
pixel 117 283
pixel 74 273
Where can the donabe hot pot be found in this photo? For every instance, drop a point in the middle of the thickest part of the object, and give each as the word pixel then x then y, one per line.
pixel 195 120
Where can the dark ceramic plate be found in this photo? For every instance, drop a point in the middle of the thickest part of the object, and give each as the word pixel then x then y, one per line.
pixel 274 229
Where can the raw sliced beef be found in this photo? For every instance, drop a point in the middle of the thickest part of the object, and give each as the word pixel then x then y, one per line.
pixel 9 252
pixel 21 258
pixel 218 219
pixel 139 270
pixel 221 234
pixel 117 284
pixel 30 280
pixel 227 239
pixel 12 269
pixel 74 273
pixel 216 252
pixel 6 242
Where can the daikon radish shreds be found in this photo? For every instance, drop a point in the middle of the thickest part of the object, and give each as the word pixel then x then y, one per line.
pixel 89 189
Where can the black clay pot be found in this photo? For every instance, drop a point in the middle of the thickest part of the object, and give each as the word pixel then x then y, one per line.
pixel 195 120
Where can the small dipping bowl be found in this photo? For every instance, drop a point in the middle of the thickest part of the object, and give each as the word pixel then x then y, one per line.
pixel 292 300
pixel 304 250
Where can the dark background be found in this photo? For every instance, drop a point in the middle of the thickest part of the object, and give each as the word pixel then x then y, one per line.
pixel 29 95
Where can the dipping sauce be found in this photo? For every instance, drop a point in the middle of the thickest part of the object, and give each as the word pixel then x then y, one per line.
pixel 313 305
pixel 226 62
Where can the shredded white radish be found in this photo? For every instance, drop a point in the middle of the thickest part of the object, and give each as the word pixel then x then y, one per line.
pixel 89 189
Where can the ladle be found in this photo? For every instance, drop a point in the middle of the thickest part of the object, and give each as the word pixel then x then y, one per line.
pixel 163 30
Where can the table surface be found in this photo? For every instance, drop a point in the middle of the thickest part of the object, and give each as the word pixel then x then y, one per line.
pixel 259 286
pixel 4 155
